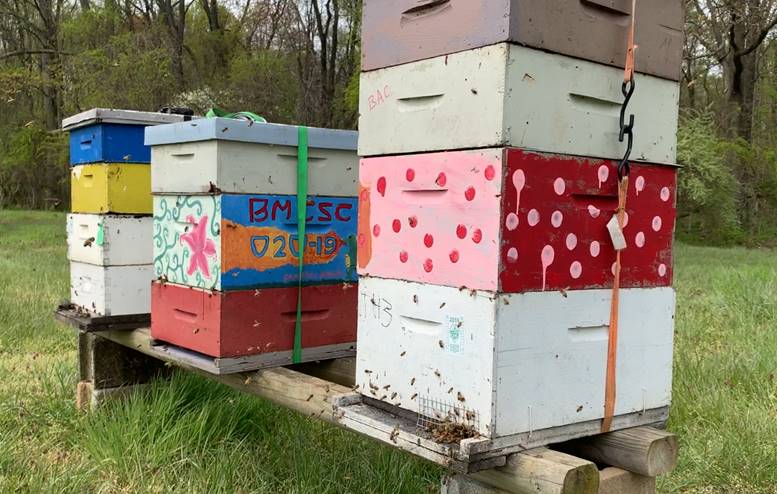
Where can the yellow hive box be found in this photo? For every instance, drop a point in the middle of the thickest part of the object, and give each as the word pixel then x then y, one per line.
pixel 111 188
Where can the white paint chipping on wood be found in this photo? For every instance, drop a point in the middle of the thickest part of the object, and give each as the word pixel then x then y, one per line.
pixel 521 362
pixel 111 290
pixel 127 240
pixel 249 168
pixel 515 96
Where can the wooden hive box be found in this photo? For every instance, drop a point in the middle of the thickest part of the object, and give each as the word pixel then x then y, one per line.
pixel 256 322
pixel 242 157
pixel 237 242
pixel 119 188
pixel 104 135
pixel 402 31
pixel 109 240
pixel 512 221
pixel 508 364
pixel 111 290
pixel 509 95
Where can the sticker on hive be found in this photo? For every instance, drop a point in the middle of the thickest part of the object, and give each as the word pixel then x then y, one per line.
pixel 231 242
pixel 535 222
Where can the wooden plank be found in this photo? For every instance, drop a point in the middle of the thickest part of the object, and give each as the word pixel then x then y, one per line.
pixel 643 450
pixel 299 392
pixel 67 314
pixel 340 371
pixel 543 471
pixel 223 366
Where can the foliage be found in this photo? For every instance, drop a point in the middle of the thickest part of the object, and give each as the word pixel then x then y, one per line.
pixel 33 168
pixel 706 191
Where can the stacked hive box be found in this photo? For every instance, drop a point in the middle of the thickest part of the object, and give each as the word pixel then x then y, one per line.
pixel 226 250
pixel 488 131
pixel 109 232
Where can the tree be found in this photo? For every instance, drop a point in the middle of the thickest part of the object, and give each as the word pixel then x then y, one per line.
pixel 735 29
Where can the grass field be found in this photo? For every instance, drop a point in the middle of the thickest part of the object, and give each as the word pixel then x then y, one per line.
pixel 193 436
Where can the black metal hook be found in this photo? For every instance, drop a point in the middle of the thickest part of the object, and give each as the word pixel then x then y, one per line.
pixel 627 129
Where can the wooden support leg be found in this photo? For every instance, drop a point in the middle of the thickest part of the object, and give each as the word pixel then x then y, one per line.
pixel 461 484
pixel 110 371
pixel 643 450
pixel 543 471
pixel 611 481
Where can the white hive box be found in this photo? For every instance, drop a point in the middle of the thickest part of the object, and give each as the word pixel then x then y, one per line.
pixel 511 364
pixel 127 240
pixel 241 157
pixel 509 95
pixel 111 290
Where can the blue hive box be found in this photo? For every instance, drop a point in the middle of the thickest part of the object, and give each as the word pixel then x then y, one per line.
pixel 112 136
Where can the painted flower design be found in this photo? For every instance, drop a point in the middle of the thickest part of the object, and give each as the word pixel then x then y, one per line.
pixel 201 246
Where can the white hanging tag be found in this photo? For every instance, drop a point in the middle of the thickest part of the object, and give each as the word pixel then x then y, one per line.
pixel 616 234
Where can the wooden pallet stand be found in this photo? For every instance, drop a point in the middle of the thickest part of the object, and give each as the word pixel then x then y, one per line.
pixel 398 428
pixel 69 314
pixel 625 461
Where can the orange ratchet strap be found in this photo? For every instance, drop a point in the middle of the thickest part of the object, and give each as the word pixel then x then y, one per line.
pixel 623 188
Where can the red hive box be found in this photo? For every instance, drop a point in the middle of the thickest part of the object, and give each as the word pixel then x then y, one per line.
pixel 513 221
pixel 253 322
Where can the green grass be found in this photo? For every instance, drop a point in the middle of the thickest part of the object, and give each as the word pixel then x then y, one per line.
pixel 190 435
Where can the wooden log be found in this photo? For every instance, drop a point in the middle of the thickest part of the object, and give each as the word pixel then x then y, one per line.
pixel 643 450
pixel 611 481
pixel 616 481
pixel 543 471
pixel 305 394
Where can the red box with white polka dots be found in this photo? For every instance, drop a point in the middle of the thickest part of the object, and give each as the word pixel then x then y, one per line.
pixel 512 220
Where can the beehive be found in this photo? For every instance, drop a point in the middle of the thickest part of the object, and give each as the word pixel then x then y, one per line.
pixel 490 137
pixel 109 243
pixel 226 247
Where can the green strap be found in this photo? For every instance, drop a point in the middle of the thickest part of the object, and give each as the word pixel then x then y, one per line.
pixel 302 213
pixel 241 115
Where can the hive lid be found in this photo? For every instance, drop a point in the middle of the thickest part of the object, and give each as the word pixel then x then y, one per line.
pixel 129 117
pixel 244 131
